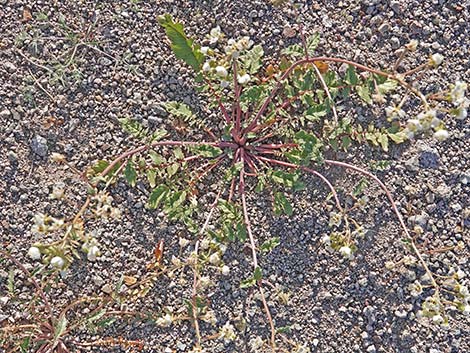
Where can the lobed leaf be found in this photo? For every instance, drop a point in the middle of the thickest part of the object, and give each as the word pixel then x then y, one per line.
pixel 183 47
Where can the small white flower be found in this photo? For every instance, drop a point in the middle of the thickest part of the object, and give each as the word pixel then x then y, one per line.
pixel 215 35
pixel 93 253
pixel 34 253
pixel 441 135
pixel 458 92
pixel 204 50
pixel 206 67
pixel 463 290
pixel 461 113
pixel 466 310
pixel 244 79
pixel 394 112
pixel 231 41
pixel 256 343
pixel 183 242
pixel 227 332
pixel 436 59
pixel 205 244
pixel 57 262
pixel 326 240
pixel 412 45
pixel 414 125
pixel 224 84
pixel 214 259
pixel 221 71
pixel 460 274
pixel 222 248
pixel 164 321
pixel 57 192
pixel 210 317
pixel 346 252
pixel 205 282
pixel 225 270
pixel 438 319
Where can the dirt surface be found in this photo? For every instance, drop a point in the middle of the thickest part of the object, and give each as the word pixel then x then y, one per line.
pixel 57 97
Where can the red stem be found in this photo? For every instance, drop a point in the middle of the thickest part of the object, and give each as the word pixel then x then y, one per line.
pixel 314 172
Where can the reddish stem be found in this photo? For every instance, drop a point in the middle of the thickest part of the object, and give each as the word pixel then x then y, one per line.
pixel 312 171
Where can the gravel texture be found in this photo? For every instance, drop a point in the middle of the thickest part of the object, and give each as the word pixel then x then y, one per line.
pixel 334 305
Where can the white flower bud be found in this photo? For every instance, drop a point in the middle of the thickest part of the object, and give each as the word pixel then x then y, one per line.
pixel 206 67
pixel 346 252
pixel 466 310
pixel 183 242
pixel 34 253
pixel 57 262
pixel 436 59
pixel 93 253
pixel 225 270
pixel 412 45
pixel 437 319
pixel 326 240
pixel 461 113
pixel 441 135
pixel 221 71
pixel 224 84
pixel 164 321
pixel 204 50
pixel 244 79
pixel 214 259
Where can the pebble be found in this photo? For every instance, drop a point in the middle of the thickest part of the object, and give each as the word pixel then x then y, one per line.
pixel 39 146
pixel 384 28
pixel 5 113
pixel 9 66
pixel 107 288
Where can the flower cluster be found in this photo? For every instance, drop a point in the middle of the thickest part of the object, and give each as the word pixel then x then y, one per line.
pixel 227 332
pixel 217 64
pixel 458 99
pixel 44 224
pixel 103 206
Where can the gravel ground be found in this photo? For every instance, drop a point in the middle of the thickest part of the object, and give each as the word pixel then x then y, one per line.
pixel 334 306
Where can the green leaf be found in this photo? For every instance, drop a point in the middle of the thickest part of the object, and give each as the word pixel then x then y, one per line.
pixel 241 232
pixel 258 274
pixel 281 204
pixel 388 86
pixel 157 196
pixel 351 77
pixel 133 127
pixel 251 60
pixel 207 151
pixel 247 283
pixel 156 158
pixel 96 316
pixel 151 177
pixel 270 244
pixel 383 140
pixel 60 327
pixel 158 134
pixel 182 46
pixel 130 173
pixel 360 187
pixel 24 346
pixel 233 170
pixel 364 93
pixel 312 43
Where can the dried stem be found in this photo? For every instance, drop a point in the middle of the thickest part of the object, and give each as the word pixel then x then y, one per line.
pixel 254 256
pixel 396 211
